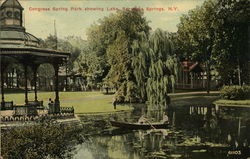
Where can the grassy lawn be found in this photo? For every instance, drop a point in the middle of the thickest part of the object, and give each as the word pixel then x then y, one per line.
pixel 83 102
pixel 224 102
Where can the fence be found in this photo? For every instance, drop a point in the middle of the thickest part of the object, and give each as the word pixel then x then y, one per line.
pixel 22 115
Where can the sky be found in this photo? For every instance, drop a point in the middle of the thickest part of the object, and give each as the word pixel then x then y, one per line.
pixel 70 20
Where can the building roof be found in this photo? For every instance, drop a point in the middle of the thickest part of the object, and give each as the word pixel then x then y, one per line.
pixel 15 34
pixel 191 66
pixel 14 40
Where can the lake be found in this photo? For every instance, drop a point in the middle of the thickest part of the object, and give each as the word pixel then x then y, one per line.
pixel 197 132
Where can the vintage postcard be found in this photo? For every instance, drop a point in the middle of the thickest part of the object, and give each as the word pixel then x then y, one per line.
pixel 125 79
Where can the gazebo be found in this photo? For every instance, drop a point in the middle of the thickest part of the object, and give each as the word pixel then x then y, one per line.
pixel 17 45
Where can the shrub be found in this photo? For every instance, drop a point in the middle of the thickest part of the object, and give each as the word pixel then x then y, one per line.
pixel 47 139
pixel 235 92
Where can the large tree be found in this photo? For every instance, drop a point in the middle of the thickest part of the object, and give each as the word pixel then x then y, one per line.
pixel 231 48
pixel 155 67
pixel 196 36
pixel 89 66
pixel 215 34
pixel 162 68
pixel 112 39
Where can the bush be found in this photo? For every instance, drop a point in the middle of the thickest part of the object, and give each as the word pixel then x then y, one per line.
pixel 41 141
pixel 235 92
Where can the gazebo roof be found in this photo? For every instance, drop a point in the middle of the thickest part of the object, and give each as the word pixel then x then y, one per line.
pixel 11 3
pixel 11 49
pixel 18 37
pixel 15 41
pixel 5 34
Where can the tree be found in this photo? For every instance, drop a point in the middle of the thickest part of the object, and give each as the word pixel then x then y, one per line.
pixel 121 73
pixel 89 66
pixel 162 69
pixel 196 36
pixel 231 41
pixel 111 40
pixel 215 35
pixel 155 67
pixel 140 64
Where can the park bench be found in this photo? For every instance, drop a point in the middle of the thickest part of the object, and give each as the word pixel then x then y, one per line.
pixel 8 105
pixel 25 110
pixel 38 104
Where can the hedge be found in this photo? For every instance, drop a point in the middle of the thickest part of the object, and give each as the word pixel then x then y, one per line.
pixel 235 92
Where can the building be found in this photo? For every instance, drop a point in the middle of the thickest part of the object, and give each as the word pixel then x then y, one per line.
pixel 191 75
pixel 20 47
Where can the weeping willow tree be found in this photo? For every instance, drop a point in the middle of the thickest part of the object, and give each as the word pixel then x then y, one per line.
pixel 140 64
pixel 155 67
pixel 162 70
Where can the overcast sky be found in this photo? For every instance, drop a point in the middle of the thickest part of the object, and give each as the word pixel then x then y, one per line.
pixel 72 22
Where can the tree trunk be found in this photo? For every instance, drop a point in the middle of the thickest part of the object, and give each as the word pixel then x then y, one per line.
pixel 239 74
pixel 208 78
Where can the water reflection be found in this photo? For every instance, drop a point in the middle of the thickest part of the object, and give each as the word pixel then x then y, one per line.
pixel 197 132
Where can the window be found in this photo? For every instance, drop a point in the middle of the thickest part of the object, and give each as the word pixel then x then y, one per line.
pixel 17 15
pixel 9 14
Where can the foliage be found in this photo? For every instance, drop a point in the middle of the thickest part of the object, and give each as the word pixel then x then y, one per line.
pixel 140 64
pixel 112 40
pixel 46 139
pixel 120 73
pixel 215 35
pixel 235 92
pixel 78 46
pixel 231 41
pixel 226 102
pixel 196 35
pixel 155 67
pixel 162 69
pixel 70 44
pixel 89 65
pixel 46 71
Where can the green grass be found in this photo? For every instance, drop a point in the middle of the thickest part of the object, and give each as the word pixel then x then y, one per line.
pixel 225 102
pixel 83 102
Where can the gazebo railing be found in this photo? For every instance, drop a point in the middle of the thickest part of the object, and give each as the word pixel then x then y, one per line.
pixel 69 110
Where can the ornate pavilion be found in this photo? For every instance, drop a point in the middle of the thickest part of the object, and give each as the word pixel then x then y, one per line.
pixel 19 46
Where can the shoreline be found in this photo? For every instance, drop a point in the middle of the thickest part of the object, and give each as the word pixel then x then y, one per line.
pixel 232 103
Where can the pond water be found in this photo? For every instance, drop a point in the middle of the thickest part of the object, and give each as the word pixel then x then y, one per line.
pixel 197 132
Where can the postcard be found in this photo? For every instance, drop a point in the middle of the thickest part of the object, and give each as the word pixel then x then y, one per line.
pixel 125 79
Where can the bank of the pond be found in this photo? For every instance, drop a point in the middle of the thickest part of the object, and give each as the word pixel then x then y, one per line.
pixel 193 98
pixel 233 103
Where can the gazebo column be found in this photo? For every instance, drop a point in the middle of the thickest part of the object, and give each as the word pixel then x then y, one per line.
pixel 26 83
pixel 57 101
pixel 34 68
pixel 2 88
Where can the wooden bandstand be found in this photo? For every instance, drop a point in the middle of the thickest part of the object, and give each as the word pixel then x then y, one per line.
pixel 19 46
